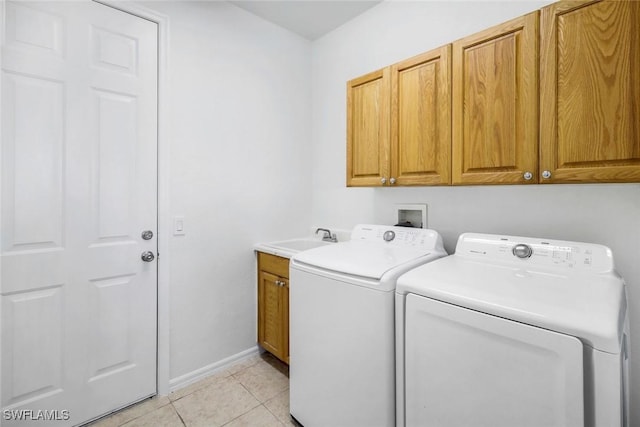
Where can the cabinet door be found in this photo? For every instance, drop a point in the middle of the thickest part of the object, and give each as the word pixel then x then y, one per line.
pixel 271 312
pixel 285 321
pixel 590 92
pixel 421 119
pixel 495 104
pixel 368 129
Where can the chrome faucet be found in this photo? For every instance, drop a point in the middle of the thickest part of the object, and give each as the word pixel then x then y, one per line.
pixel 328 235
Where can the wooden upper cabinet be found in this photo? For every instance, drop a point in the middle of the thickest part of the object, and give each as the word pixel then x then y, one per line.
pixel 368 129
pixel 590 92
pixel 495 104
pixel 421 119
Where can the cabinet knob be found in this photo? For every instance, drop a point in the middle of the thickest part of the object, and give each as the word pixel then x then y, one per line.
pixel 383 180
pixel 528 176
pixel 392 181
pixel 546 174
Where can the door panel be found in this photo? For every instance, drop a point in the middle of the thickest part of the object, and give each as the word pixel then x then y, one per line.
pixel 421 119
pixel 34 28
pixel 36 355
pixel 495 104
pixel 33 163
pixel 79 143
pixel 490 89
pixel 270 332
pixel 463 368
pixel 110 326
pixel 590 113
pixel 113 51
pixel 115 153
pixel 368 129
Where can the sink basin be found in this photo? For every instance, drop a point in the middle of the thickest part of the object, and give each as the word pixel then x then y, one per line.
pixel 288 248
pixel 298 245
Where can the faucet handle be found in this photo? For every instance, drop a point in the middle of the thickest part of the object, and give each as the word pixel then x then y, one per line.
pixel 327 232
pixel 328 236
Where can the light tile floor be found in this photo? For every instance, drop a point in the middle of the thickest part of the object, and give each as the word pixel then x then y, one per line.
pixel 253 392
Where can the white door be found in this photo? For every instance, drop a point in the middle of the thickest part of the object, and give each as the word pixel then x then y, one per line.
pixel 78 183
pixel 465 368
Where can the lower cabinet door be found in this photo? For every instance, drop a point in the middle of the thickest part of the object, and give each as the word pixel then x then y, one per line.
pixel 273 314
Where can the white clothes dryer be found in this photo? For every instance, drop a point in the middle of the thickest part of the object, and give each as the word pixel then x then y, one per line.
pixel 513 331
pixel 341 324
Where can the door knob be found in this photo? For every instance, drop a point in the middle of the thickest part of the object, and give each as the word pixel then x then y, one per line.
pixel 147 235
pixel 147 256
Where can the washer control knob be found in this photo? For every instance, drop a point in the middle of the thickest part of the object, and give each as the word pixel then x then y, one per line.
pixel 389 235
pixel 522 251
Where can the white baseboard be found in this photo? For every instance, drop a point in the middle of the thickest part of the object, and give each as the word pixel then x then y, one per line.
pixel 199 374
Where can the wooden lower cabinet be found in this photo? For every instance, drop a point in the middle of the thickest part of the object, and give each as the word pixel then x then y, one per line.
pixel 273 305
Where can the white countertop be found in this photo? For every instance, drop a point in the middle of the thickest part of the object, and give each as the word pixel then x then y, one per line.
pixel 288 248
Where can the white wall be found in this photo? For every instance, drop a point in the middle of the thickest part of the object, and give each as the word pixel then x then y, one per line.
pixel 608 214
pixel 239 172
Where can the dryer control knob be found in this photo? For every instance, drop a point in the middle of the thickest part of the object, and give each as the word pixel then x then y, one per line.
pixel 389 235
pixel 522 251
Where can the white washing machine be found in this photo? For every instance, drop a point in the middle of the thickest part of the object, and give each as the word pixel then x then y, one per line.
pixel 341 324
pixel 513 331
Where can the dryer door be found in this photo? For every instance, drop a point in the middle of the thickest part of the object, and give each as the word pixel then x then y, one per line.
pixel 466 368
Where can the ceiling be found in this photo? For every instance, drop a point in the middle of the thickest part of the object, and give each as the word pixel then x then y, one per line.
pixel 310 19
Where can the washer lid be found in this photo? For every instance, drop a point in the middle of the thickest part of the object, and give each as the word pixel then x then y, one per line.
pixel 364 259
pixel 589 306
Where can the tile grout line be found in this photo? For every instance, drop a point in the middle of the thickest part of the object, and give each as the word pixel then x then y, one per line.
pixel 235 376
pixel 288 420
pixel 249 391
pixel 249 410
pixel 141 415
pixel 260 402
pixel 178 413
pixel 271 412
pixel 231 375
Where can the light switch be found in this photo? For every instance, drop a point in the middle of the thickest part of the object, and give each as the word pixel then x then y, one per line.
pixel 178 225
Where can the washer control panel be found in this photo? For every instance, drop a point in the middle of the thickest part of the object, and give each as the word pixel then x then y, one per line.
pixel 396 236
pixel 536 252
